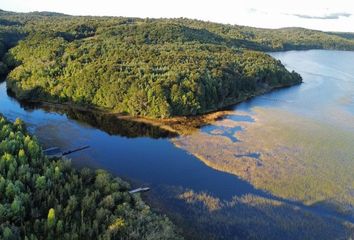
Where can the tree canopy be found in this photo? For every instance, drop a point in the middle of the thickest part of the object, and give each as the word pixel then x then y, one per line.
pixel 45 198
pixel 149 67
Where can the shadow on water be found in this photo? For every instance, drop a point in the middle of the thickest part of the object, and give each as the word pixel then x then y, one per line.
pixel 210 218
pixel 113 126
pixel 103 121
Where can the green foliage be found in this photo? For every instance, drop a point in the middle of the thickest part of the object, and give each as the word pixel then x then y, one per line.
pixel 51 217
pixel 150 67
pixel 48 199
pixel 9 36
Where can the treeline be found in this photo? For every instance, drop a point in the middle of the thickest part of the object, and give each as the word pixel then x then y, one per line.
pixel 178 30
pixel 156 68
pixel 48 199
pixel 150 67
pixel 9 36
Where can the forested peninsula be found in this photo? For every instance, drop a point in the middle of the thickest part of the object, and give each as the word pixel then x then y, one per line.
pixel 156 68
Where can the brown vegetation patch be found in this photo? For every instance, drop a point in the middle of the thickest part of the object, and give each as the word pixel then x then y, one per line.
pixel 301 158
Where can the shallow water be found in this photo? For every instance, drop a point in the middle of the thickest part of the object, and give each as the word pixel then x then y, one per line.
pixel 297 142
pixel 328 86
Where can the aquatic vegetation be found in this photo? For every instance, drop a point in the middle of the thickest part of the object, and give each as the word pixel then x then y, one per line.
pixel 211 203
pixel 245 217
pixel 180 125
pixel 301 158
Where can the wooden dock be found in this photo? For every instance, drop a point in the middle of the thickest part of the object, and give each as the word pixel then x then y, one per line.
pixel 56 152
pixel 141 189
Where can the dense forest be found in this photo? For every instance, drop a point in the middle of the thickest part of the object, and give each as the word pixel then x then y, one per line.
pixel 147 67
pixel 43 198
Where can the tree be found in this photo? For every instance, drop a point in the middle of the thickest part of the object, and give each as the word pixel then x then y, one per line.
pixel 51 217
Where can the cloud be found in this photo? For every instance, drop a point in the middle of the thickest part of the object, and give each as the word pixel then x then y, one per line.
pixel 255 10
pixel 252 10
pixel 325 16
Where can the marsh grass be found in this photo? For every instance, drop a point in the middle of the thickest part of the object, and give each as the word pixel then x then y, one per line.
pixel 181 125
pixel 302 159
pixel 204 216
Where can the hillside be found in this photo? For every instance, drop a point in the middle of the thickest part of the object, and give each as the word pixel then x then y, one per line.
pixel 148 67
pixel 43 198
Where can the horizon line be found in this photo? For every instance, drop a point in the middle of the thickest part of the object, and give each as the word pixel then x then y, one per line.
pixel 156 18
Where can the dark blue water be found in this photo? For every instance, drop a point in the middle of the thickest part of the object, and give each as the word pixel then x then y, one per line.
pixel 141 160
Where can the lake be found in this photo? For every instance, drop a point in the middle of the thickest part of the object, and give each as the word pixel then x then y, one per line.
pixel 278 166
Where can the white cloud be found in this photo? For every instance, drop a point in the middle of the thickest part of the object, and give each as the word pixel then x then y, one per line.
pixel 258 13
pixel 329 16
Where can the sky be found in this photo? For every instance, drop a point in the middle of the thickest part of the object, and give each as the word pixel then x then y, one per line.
pixel 327 15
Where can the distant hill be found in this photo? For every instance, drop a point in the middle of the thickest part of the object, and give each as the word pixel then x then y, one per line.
pixel 48 14
pixel 346 35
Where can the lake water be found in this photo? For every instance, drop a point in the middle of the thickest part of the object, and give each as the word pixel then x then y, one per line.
pixel 146 156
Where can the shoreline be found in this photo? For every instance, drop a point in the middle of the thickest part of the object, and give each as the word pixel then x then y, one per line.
pixel 181 125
